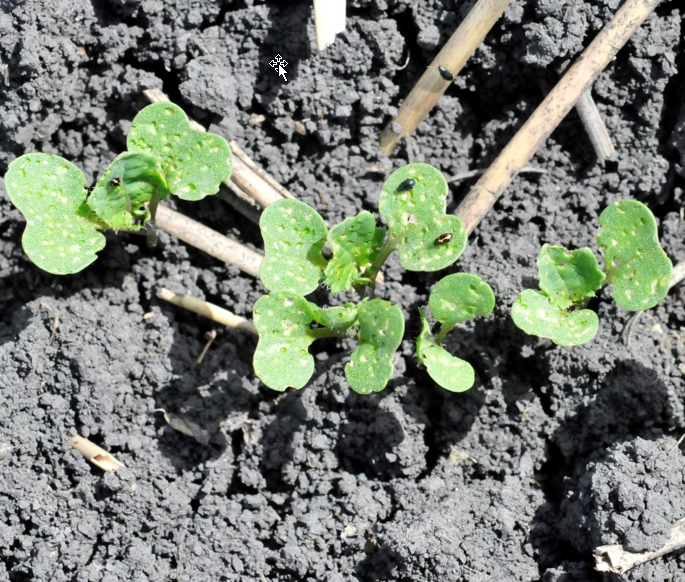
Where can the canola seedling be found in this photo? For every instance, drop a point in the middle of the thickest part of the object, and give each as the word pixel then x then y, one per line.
pixel 634 262
pixel 164 156
pixel 413 204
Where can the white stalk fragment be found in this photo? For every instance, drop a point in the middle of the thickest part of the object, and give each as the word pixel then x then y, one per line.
pixel 615 559
pixel 208 310
pixel 329 16
pixel 96 455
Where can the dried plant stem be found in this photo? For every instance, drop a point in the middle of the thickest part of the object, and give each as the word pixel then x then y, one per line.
pixel 96 455
pixel 208 240
pixel 552 110
pixel 247 160
pixel 615 559
pixel 452 57
pixel 329 17
pixel 209 310
pixel 594 126
pixel 246 175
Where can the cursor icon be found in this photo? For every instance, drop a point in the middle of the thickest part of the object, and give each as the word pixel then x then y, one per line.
pixel 281 72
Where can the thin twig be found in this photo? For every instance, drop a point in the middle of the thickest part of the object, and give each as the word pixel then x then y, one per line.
pixel 206 309
pixel 615 559
pixel 552 110
pixel 211 242
pixel 595 128
pixel 210 341
pixel 451 59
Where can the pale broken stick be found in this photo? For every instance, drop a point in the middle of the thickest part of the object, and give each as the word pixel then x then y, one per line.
pixel 441 72
pixel 552 110
pixel 96 455
pixel 594 127
pixel 208 310
pixel 245 180
pixel 615 559
pixel 329 19
pixel 211 242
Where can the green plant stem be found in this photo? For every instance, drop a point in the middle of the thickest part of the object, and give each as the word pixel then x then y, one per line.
pixel 150 231
pixel 444 330
pixel 324 332
pixel 389 246
pixel 152 206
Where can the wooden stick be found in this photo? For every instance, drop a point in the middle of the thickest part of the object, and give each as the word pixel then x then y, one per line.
pixel 211 242
pixel 329 17
pixel 594 126
pixel 209 310
pixel 552 110
pixel 96 455
pixel 252 180
pixel 451 58
pixel 615 559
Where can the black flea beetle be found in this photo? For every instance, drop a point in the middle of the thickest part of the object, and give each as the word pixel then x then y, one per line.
pixel 408 184
pixel 445 74
pixel 444 238
pixel 115 182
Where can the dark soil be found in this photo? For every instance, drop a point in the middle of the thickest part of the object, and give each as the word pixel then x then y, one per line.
pixel 553 452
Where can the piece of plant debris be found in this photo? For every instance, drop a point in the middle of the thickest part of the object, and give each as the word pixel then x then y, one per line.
pixel 63 220
pixel 413 203
pixel 634 262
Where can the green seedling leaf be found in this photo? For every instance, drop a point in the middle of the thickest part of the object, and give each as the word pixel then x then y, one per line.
pixel 568 277
pixel 381 327
pixel 355 243
pixel 339 318
pixel 448 371
pixel 634 261
pixel 282 359
pixel 121 197
pixel 413 203
pixel 50 192
pixel 195 163
pixel 294 235
pixel 536 314
pixel 460 297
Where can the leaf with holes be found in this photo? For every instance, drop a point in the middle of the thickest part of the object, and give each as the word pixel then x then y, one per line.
pixel 355 243
pixel 294 235
pixel 121 196
pixel 339 318
pixel 634 260
pixel 448 371
pixel 460 297
pixel 413 202
pixel 61 235
pixel 195 163
pixel 381 327
pixel 569 277
pixel 537 315
pixel 282 359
